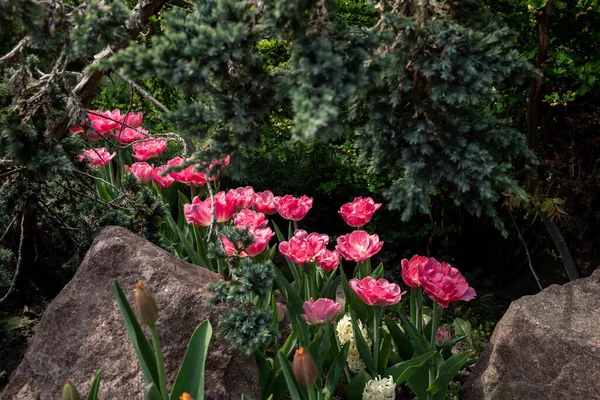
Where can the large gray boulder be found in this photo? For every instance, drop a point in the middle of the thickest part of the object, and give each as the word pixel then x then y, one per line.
pixel 546 347
pixel 82 330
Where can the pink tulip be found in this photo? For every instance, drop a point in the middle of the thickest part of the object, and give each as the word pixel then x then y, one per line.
pixel 376 292
pixel 292 208
pixel 98 157
pixel 410 272
pixel 216 166
pixel 250 219
pixel 261 238
pixel 245 197
pixel 188 175
pixel 160 178
pixel 141 170
pixel 328 260
pixel 443 335
pixel 149 149
pixel 128 135
pixel 133 119
pixel 263 202
pixel 280 311
pixel 198 212
pixel 304 247
pixel 443 283
pixel 358 246
pixel 322 311
pixel 104 125
pixel 224 205
pixel 359 212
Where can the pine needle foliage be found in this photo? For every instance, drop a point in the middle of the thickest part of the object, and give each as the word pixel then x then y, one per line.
pixel 415 86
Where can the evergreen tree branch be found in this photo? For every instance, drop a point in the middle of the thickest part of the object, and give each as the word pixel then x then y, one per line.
pixel 18 49
pixel 142 92
pixel 83 93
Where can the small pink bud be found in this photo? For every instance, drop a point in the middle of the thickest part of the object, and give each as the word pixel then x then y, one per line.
pixel 443 335
pixel 305 369
pixel 280 312
pixel 144 305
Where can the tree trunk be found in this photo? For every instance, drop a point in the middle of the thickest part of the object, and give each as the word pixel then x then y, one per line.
pixel 533 105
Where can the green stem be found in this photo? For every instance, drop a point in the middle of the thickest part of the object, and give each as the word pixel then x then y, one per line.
pixel 160 363
pixel 419 308
pixel 435 321
pixel 376 316
pixel 311 392
pixel 295 226
pixel 413 306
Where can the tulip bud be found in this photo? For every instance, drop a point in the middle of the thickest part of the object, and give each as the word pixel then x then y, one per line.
pixel 443 335
pixel 185 396
pixel 144 305
pixel 70 391
pixel 305 369
pixel 280 312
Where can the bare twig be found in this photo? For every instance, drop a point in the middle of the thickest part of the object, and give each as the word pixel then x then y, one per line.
pixel 19 261
pixel 526 250
pixel 8 227
pixel 142 92
pixel 12 171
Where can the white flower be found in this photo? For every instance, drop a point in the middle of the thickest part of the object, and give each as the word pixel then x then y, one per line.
pixel 380 389
pixel 345 334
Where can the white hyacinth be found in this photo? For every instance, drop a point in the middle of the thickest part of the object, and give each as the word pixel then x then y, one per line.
pixel 345 333
pixel 380 389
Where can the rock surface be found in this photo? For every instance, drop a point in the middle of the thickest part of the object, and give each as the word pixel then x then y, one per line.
pixel 545 347
pixel 82 330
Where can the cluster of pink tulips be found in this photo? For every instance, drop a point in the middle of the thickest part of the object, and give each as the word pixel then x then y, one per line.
pixel 355 338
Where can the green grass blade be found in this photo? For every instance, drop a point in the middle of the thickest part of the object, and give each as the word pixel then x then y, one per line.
pixel 95 389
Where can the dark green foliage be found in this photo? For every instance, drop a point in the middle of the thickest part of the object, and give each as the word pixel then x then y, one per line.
pixel 248 328
pixel 101 24
pixel 246 325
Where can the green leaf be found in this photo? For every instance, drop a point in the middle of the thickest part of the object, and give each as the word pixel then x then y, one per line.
pixel 321 344
pixel 151 392
pixel 463 328
pixel 402 342
pixel 361 345
pixel 419 381
pixel 140 343
pixel 94 390
pixel 289 377
pixel 192 254
pixel 244 397
pixel 353 302
pixel 335 372
pixel 403 371
pixel 330 286
pixel 265 371
pixel 419 343
pixel 378 273
pixel 384 353
pixel 356 385
pixel 289 344
pixel 447 371
pixel 190 377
